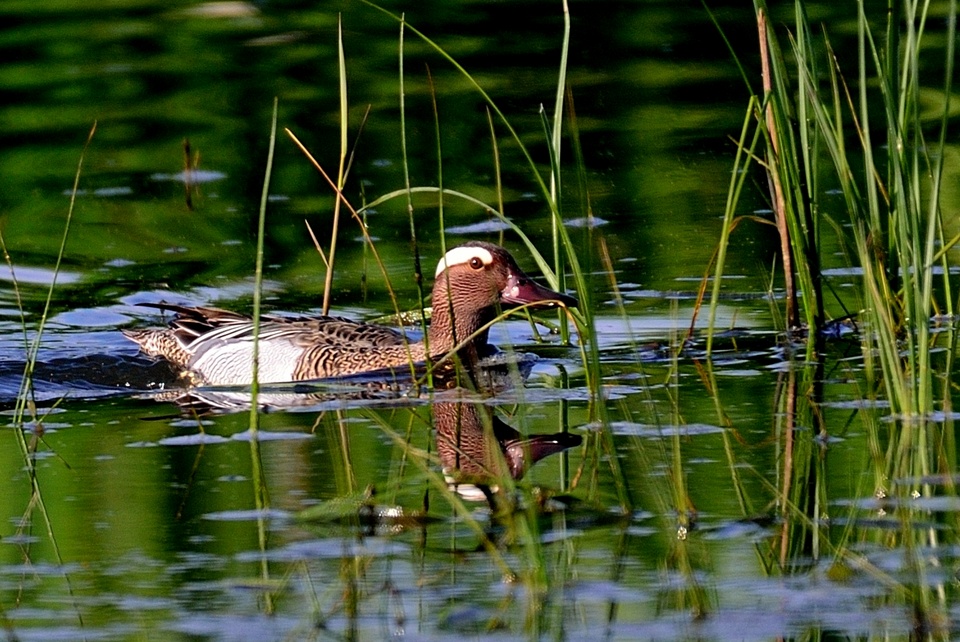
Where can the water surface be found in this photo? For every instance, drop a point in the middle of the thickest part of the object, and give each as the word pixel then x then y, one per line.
pixel 161 519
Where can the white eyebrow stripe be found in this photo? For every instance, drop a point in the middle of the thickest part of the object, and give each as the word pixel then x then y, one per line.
pixel 460 255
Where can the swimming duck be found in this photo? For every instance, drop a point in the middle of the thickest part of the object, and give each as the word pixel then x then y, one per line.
pixel 215 346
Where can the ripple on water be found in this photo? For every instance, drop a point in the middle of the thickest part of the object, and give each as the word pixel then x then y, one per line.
pixel 654 431
pixel 30 275
pixel 197 439
pixel 246 515
pixel 328 548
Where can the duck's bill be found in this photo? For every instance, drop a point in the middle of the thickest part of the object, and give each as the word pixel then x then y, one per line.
pixel 521 290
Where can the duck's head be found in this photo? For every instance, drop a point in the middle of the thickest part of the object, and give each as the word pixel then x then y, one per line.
pixel 479 275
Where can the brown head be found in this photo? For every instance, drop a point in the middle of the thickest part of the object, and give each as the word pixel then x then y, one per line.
pixel 472 280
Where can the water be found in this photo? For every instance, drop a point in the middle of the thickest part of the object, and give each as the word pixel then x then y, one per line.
pixel 162 518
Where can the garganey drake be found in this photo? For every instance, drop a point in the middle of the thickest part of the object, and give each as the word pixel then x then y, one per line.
pixel 215 347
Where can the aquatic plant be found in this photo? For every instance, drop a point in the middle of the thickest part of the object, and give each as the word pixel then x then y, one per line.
pixel 865 136
pixel 26 415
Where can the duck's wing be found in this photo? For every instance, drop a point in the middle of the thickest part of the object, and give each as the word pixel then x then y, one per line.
pixel 302 332
pixel 190 323
pixel 175 342
pixel 195 326
pixel 337 332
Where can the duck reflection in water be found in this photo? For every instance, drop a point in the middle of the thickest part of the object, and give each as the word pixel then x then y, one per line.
pixel 478 450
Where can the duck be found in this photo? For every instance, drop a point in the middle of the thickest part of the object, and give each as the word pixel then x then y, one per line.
pixel 214 347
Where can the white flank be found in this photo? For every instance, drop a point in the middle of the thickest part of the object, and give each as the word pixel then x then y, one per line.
pixel 463 255
pixel 229 364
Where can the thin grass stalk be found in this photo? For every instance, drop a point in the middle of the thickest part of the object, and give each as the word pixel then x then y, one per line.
pixel 946 403
pixel 733 464
pixel 733 52
pixel 18 298
pixel 693 596
pixel 262 503
pixel 26 382
pixel 258 276
pixel 804 483
pixel 580 166
pixel 933 213
pixel 909 229
pixel 417 267
pixel 439 150
pixel 24 395
pixel 555 221
pixel 806 186
pixel 941 146
pixel 599 406
pixel 555 179
pixel 556 129
pixel 682 504
pixel 498 177
pixel 808 139
pixel 879 224
pixel 364 231
pixel 341 170
pixel 786 435
pixel 347 480
pixel 738 177
pixel 261 500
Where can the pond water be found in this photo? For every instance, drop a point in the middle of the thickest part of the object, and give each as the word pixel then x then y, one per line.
pixel 654 509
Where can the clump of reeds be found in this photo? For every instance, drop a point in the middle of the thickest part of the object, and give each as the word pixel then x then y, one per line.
pixel 821 123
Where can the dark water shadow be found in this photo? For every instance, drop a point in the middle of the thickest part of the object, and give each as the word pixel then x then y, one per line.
pixel 86 377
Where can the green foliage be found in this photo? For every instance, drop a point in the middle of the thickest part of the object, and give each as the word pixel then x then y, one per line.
pixel 863 136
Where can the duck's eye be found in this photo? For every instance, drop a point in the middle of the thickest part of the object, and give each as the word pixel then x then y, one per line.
pixel 476 263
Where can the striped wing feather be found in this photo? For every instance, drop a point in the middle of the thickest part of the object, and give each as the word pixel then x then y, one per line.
pixel 197 330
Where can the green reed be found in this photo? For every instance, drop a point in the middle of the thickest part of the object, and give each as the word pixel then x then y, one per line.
pixel 807 116
pixel 25 404
pixel 869 137
pixel 261 497
pixel 258 270
pixel 341 168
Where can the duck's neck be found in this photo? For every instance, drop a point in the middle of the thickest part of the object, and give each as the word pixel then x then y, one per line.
pixel 449 328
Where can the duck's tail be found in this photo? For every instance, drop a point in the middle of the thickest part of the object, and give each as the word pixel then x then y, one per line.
pixel 159 343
